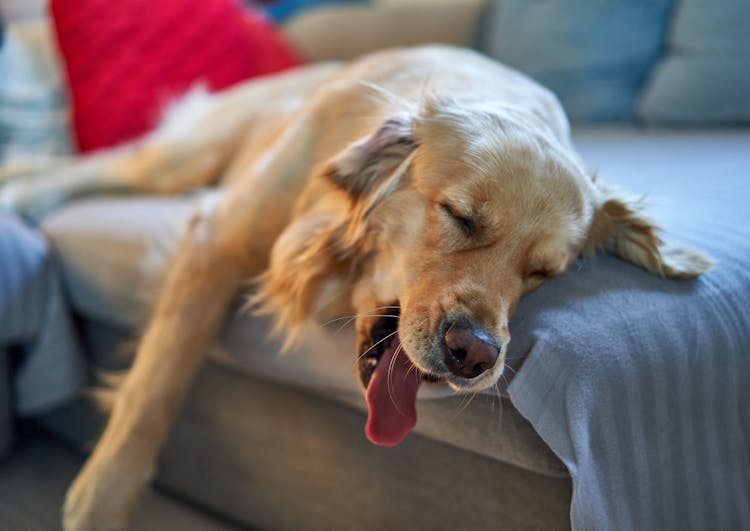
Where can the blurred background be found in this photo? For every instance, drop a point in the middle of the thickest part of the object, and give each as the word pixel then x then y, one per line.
pixel 665 62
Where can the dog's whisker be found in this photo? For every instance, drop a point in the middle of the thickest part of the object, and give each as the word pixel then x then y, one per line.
pixel 504 379
pixel 376 344
pixel 352 317
pixel 336 319
pixel 376 309
pixel 391 365
pixel 399 349
pixel 346 323
pixel 463 407
pixel 499 402
pixel 463 397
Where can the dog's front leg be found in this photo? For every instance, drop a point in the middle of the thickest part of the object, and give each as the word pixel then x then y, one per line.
pixel 210 265
pixel 199 288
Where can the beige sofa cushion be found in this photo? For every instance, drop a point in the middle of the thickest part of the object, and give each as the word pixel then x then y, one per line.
pixel 112 251
pixel 345 32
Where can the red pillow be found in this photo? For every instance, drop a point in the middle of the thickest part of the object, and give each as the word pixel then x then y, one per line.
pixel 126 59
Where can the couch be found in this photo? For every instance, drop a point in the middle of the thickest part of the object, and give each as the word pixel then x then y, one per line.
pixel 276 442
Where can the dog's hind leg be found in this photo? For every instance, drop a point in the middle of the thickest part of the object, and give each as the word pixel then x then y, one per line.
pixel 197 139
pixel 216 256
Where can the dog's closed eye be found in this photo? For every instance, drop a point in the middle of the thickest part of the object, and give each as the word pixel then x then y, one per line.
pixel 465 222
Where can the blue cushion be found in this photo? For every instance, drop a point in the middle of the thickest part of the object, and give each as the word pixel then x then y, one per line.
pixel 706 77
pixel 34 314
pixel 594 54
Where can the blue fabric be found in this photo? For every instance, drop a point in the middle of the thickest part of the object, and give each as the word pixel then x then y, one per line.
pixel 282 10
pixel 594 54
pixel 33 314
pixel 641 385
pixel 706 76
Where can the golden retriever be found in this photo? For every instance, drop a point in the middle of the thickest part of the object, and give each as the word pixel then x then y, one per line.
pixel 424 190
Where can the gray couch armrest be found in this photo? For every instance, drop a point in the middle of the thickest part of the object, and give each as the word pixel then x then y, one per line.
pixel 345 32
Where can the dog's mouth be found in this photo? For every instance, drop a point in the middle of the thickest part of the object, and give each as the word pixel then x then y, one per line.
pixel 391 381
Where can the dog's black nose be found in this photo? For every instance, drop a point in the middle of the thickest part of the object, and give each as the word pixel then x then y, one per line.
pixel 469 351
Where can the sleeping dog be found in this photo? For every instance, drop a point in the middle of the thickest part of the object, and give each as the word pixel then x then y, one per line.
pixel 424 190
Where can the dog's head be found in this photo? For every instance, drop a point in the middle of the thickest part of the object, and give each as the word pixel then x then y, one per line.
pixel 451 215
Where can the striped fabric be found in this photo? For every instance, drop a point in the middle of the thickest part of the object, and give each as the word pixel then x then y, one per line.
pixel 33 110
pixel 642 385
pixel 33 314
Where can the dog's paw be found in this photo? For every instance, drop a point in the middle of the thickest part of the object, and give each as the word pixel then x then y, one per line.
pixel 102 497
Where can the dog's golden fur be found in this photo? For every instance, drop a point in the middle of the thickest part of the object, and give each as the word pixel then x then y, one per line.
pixel 432 177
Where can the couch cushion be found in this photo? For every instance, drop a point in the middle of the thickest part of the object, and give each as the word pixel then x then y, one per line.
pixel 594 55
pixel 705 76
pixel 112 250
pixel 319 33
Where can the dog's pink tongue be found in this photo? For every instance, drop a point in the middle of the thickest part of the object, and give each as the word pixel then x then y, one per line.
pixel 392 397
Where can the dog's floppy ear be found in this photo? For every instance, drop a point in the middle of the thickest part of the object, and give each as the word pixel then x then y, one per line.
pixel 367 166
pixel 313 260
pixel 621 227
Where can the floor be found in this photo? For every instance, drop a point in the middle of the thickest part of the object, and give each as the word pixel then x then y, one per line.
pixel 33 479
